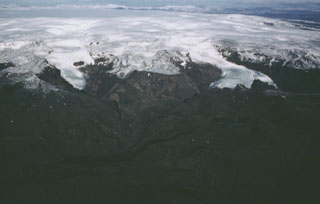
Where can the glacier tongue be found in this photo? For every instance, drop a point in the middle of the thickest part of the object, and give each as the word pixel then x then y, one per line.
pixel 153 42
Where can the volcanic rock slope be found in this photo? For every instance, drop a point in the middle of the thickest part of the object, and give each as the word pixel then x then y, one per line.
pixel 154 138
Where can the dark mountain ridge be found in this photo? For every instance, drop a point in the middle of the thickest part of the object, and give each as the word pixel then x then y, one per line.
pixel 153 138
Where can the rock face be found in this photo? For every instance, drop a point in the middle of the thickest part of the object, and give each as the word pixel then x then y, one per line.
pixel 77 64
pixel 281 72
pixel 5 65
pixel 145 88
pixel 52 76
pixel 153 138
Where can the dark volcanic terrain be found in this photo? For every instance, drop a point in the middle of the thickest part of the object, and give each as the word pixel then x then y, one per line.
pixel 153 138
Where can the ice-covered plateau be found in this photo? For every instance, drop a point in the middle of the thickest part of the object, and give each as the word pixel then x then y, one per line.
pixel 153 43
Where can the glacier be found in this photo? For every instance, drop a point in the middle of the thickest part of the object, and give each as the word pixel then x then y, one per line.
pixel 150 41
